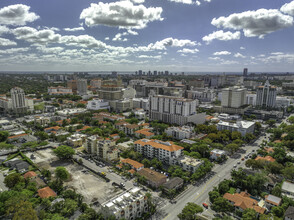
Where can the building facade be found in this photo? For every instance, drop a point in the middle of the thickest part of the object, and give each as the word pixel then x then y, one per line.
pixel 266 96
pixel 244 127
pixel 234 97
pixel 179 133
pixel 82 86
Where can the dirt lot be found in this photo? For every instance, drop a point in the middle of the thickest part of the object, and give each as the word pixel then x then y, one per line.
pixel 93 188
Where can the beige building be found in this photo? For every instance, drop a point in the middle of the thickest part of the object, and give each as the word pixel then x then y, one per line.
pixel 76 140
pixel 234 97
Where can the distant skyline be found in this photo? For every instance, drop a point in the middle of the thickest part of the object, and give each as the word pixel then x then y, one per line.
pixel 128 35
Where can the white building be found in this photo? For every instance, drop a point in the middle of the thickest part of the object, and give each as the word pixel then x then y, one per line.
pixel 82 86
pixel 203 95
pixel 243 127
pixel 174 110
pixel 234 97
pixel 96 83
pixel 128 93
pixel 184 132
pixel 288 189
pixel 97 104
pixel 251 99
pixel 59 91
pixel 130 204
pixel 141 103
pixel 216 153
pixel 68 112
pixel 282 102
pixel 266 95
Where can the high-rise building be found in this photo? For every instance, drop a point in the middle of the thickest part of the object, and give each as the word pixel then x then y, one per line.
pixel 82 86
pixel 266 95
pixel 140 73
pixel 18 100
pixel 234 97
pixel 245 72
pixel 72 84
pixel 174 110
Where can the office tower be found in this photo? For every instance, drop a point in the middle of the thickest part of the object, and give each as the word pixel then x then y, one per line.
pixel 234 97
pixel 72 84
pixel 114 74
pixel 18 100
pixel 174 110
pixel 245 72
pixel 82 86
pixel 155 73
pixel 166 73
pixel 140 72
pixel 266 95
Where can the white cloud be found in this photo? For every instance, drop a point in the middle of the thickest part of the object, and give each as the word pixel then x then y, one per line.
pixel 6 42
pixel 49 49
pixel 239 55
pixel 207 0
pixel 106 38
pixel 214 58
pixel 131 32
pixel 183 1
pixel 17 15
pixel 3 30
pixel 277 53
pixel 221 35
pixel 186 50
pixel 170 42
pixel 242 48
pixel 82 41
pixel 229 62
pixel 14 50
pixel 150 57
pixel 279 58
pixel 255 23
pixel 288 8
pixel 198 3
pixel 138 1
pixel 36 36
pixel 123 14
pixel 220 53
pixel 74 29
pixel 118 37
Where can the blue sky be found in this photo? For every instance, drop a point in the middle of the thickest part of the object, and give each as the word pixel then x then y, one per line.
pixel 127 35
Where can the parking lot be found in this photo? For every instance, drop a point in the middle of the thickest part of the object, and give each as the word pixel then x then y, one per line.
pixel 93 188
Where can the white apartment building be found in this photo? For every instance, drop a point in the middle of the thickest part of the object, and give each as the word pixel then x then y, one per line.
pixel 184 132
pixel 174 110
pixel 266 95
pixel 59 91
pixel 203 95
pixel 167 152
pixel 130 205
pixel 243 127
pixel 97 104
pixel 282 102
pixel 141 103
pixel 128 93
pixel 96 83
pixel 251 99
pixel 234 97
pixel 217 153
pixel 82 86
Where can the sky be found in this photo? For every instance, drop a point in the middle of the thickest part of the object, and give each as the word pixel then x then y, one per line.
pixel 128 35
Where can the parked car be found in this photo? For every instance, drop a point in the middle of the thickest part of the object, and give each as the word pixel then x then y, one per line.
pixel 205 205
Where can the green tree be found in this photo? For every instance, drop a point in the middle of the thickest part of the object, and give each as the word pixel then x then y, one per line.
pixel 291 119
pixel 190 211
pixel 70 206
pixel 20 209
pixel 222 205
pixel 249 214
pixel 42 135
pixel 213 195
pixel 271 122
pixel 3 135
pixel 62 173
pixel 288 172
pixel 224 186
pixel 236 135
pixel 278 211
pixel 13 179
pixel 232 148
pixel 64 152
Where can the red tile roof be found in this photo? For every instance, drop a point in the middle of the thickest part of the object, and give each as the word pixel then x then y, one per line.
pixel 172 147
pixel 29 174
pixel 133 163
pixel 17 136
pixel 46 192
pixel 266 158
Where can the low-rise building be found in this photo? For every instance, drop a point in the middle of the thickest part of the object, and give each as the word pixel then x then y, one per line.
pixel 42 120
pixel 130 129
pixel 217 153
pixel 189 164
pixel 272 201
pixel 174 183
pixel 76 140
pixel 267 159
pixel 144 133
pixel 289 213
pixel 288 189
pixel 130 204
pixel 244 127
pixel 243 201
pixel 184 132
pixel 46 192
pixel 97 104
pixel 134 164
pixel 153 178
pixel 60 90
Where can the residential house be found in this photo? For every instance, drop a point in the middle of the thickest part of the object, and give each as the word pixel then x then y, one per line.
pixel 153 178
pixel 76 140
pixel 217 153
pixel 271 201
pixel 131 128
pixel 46 192
pixel 134 164
pixel 145 133
pixel 30 175
pixel 289 213
pixel 288 189
pixel 267 159
pixel 243 201
pixel 49 130
pixel 174 183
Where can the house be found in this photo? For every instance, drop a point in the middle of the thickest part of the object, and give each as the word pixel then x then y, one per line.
pixel 46 192
pixel 30 175
pixel 267 159
pixel 289 214
pixel 243 201
pixel 152 177
pixel 145 133
pixel 16 137
pixel 130 128
pixel 17 164
pixel 271 200
pixel 288 189
pixel 134 164
pixel 173 184
pixel 216 154
pixel 49 130
pixel 76 140
pixel 269 150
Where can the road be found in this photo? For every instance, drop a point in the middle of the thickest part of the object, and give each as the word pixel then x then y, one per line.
pixel 199 194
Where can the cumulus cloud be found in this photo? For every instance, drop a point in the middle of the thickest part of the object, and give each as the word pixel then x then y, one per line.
pixel 6 42
pixel 255 23
pixel 278 58
pixel 183 1
pixel 74 29
pixel 171 42
pixel 138 1
pixel 82 41
pixel 242 48
pixel 198 3
pixel 106 38
pixel 16 15
pixel 221 35
pixel 214 58
pixel 220 53
pixel 239 55
pixel 186 50
pixel 3 30
pixel 150 57
pixel 36 36
pixel 118 37
pixel 123 14
pixel 288 8
pixel 14 50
